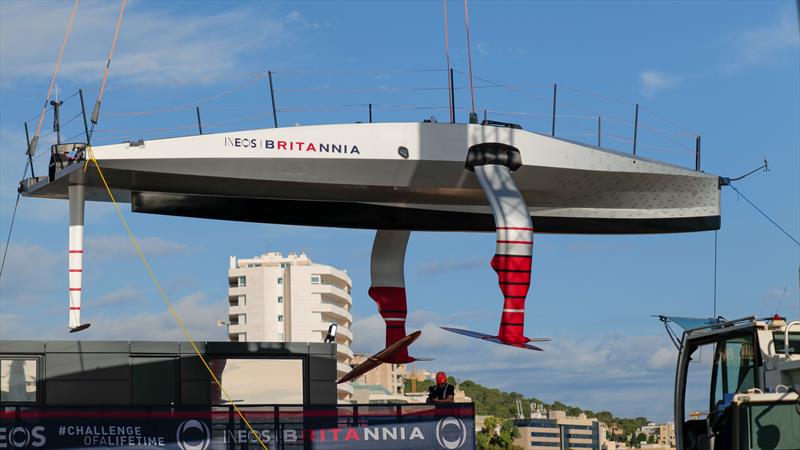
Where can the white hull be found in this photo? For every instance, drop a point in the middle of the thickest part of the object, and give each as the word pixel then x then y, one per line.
pixel 357 172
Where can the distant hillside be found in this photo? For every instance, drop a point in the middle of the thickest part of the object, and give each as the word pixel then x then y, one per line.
pixel 494 402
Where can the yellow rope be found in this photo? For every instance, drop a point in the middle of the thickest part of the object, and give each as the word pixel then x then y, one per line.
pixel 166 300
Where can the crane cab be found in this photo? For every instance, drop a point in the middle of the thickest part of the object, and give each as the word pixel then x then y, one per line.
pixel 737 386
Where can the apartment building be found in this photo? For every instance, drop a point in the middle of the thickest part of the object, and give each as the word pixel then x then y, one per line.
pixel 272 298
pixel 390 376
pixel 558 431
pixel 664 433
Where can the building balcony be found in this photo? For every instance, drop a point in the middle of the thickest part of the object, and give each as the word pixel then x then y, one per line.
pixel 234 291
pixel 236 329
pixel 345 388
pixel 330 292
pixel 328 271
pixel 343 350
pixel 331 312
pixel 342 369
pixel 343 331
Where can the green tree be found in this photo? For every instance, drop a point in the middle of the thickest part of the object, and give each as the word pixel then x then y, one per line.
pixel 490 439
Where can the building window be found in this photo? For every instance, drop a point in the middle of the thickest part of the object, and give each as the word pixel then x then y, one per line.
pixel 18 379
pixel 242 337
pixel 242 300
pixel 315 279
pixel 542 434
pixel 280 299
pixel 280 317
pixel 242 319
pixel 242 281
pixel 284 265
pixel 280 280
pixel 280 337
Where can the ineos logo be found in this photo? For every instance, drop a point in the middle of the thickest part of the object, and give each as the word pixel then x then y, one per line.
pixel 451 433
pixel 193 434
pixel 21 437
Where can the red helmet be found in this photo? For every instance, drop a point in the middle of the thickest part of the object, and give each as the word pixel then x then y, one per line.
pixel 441 377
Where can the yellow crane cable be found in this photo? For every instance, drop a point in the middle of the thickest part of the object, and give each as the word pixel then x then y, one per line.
pixel 35 140
pixel 166 300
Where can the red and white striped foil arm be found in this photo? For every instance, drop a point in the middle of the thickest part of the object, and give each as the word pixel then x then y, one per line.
pixel 388 287
pixel 513 253
pixel 77 194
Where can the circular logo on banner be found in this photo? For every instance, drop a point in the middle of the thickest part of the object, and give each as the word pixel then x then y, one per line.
pixel 19 437
pixel 451 433
pixel 193 434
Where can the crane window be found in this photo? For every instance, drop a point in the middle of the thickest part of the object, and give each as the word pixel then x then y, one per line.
pixel 794 342
pixel 734 370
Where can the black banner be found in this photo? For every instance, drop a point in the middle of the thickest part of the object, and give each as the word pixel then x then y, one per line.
pixel 383 427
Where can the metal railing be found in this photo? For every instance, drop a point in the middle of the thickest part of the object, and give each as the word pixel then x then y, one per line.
pixel 550 109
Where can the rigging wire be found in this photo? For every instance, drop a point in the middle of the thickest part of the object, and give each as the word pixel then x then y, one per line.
pixel 35 140
pixel 765 215
pixel 192 105
pixel 469 57
pixel 447 56
pixel 780 302
pixel 96 112
pixel 38 115
pixel 11 225
pixel 10 229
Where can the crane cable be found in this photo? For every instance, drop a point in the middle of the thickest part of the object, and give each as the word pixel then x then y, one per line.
pixel 469 57
pixel 32 145
pixel 172 310
pixel 96 111
pixel 766 216
pixel 447 57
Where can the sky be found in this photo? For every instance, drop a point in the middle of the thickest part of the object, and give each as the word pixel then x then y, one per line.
pixel 728 71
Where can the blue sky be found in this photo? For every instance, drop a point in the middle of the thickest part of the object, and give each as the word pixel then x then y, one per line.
pixel 726 71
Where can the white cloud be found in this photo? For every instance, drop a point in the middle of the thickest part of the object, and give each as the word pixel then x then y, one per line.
pixel 155 45
pixel 765 44
pixel 197 313
pixel 11 326
pixel 654 81
pixel 594 372
pixel 368 334
pixel 121 295
pixel 28 273
pixel 117 246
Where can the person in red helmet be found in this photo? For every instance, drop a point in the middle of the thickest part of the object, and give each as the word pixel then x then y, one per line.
pixel 443 392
